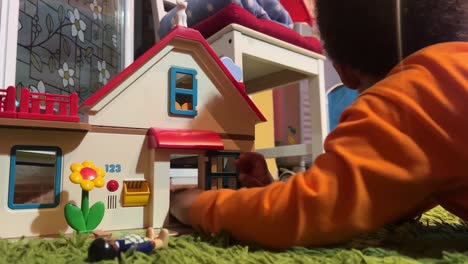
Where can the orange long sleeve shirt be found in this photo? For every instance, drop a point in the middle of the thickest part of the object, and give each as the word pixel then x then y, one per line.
pixel 402 144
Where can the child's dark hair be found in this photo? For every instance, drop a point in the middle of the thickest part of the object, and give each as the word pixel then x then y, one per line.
pixel 363 34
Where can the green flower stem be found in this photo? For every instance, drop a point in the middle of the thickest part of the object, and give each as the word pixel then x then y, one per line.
pixel 85 204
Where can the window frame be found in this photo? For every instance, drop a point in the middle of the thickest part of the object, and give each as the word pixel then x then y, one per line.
pixel 9 19
pixel 12 177
pixel 224 176
pixel 175 90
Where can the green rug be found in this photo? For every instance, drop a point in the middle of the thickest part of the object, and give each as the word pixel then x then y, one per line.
pixel 437 237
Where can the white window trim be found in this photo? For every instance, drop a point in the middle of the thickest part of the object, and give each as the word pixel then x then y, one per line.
pixel 9 17
pixel 128 32
pixel 9 38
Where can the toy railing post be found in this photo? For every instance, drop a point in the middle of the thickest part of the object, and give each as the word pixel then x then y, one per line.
pixel 24 100
pixel 63 107
pixel 73 104
pixel 10 104
pixel 49 105
pixel 35 101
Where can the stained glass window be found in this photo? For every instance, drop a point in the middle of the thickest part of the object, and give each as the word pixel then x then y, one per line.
pixel 69 46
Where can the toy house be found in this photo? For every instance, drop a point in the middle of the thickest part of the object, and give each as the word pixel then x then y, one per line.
pixel 178 100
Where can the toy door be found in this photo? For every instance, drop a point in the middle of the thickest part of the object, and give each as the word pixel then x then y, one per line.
pixel 184 171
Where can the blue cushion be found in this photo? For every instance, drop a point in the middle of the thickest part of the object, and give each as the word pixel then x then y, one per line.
pixel 338 100
pixel 197 10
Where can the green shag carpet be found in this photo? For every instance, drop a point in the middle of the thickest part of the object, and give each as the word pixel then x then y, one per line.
pixel 437 237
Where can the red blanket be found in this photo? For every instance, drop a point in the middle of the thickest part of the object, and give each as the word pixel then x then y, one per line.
pixel 235 14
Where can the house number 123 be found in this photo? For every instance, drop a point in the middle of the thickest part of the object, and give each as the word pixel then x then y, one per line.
pixel 113 168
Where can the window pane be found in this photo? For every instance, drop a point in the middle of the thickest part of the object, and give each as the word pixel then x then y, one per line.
pixel 184 101
pixel 184 81
pixel 215 167
pixel 69 46
pixel 216 183
pixel 223 183
pixel 34 177
pixel 231 183
pixel 229 164
pixel 223 164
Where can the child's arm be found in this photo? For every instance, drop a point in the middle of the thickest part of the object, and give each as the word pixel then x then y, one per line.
pixel 371 174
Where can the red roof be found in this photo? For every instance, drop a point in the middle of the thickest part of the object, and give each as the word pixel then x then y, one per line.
pixel 180 33
pixel 184 139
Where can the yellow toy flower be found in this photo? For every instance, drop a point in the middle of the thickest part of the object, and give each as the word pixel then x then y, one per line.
pixel 87 175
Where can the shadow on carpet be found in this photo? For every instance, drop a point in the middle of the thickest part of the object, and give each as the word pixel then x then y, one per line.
pixel 437 237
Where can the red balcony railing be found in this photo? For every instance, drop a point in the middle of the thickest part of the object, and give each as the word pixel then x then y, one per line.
pixel 46 106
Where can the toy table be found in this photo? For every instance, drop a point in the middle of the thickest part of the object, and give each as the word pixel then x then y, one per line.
pixel 268 63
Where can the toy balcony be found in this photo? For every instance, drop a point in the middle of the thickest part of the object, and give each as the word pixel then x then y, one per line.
pixel 135 193
pixel 39 106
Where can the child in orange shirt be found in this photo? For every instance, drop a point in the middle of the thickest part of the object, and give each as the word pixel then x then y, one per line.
pixel 400 148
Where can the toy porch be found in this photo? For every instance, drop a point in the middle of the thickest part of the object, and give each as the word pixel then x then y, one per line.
pixel 188 159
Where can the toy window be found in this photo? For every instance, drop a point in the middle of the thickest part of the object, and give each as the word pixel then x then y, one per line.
pixel 183 91
pixel 35 174
pixel 222 171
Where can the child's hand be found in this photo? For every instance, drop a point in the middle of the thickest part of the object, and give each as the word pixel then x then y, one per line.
pixel 253 173
pixel 253 170
pixel 181 201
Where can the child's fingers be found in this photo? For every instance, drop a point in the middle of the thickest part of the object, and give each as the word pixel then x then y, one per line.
pixel 253 170
pixel 249 160
pixel 250 181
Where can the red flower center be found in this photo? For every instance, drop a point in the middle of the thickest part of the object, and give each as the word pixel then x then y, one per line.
pixel 88 173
